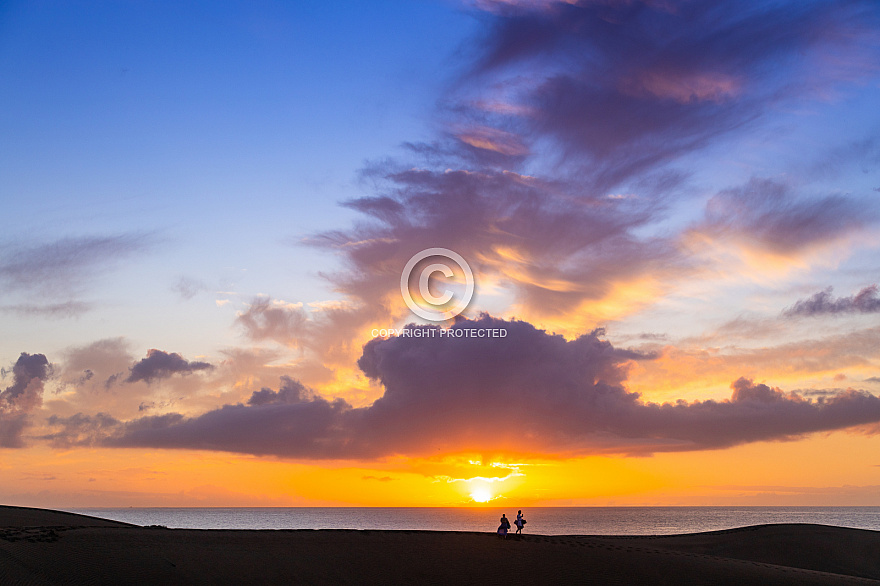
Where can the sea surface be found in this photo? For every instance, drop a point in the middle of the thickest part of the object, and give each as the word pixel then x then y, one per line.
pixel 540 520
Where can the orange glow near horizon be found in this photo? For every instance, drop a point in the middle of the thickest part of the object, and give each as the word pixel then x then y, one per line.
pixel 764 473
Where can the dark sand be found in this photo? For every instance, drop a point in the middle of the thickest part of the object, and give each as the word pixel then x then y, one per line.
pixel 50 547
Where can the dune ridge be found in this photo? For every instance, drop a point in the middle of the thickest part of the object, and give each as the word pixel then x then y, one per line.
pixel 40 547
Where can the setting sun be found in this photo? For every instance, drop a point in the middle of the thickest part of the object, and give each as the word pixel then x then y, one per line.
pixel 481 495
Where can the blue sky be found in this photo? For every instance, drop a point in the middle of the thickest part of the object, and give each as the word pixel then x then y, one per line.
pixel 222 134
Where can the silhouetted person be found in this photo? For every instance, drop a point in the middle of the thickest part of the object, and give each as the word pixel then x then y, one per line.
pixel 504 527
pixel 519 522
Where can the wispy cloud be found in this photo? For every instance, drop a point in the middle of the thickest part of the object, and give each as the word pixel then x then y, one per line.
pixel 771 216
pixel 266 319
pixel 64 267
pixel 50 279
pixel 66 309
pixel 187 287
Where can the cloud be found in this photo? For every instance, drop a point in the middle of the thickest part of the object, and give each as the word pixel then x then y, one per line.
pixel 700 365
pixel 629 86
pixel 158 365
pixel 149 405
pixel 188 287
pixel 291 392
pixel 503 6
pixel 563 107
pixel 770 215
pixel 554 247
pixel 113 379
pixel 79 429
pixel 281 322
pixel 377 478
pixel 822 303
pixel 493 140
pixel 25 395
pixel 92 378
pixel 820 392
pixel 85 375
pixel 66 309
pixel 64 267
pixel 110 355
pixel 530 392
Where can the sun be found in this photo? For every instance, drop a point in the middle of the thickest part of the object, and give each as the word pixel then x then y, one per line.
pixel 481 495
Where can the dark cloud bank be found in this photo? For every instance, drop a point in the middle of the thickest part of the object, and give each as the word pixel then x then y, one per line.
pixel 529 393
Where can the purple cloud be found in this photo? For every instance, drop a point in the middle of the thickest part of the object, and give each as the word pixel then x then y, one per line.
pixel 291 392
pixel 822 303
pixel 553 244
pixel 66 309
pixel 530 392
pixel 779 220
pixel 628 86
pixel 617 93
pixel 159 365
pixel 25 394
pixel 64 266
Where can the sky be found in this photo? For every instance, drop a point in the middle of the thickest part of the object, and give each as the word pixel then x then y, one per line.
pixel 670 211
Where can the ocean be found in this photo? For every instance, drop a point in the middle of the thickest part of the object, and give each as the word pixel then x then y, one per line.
pixel 540 520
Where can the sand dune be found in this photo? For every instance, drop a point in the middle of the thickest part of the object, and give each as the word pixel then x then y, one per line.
pixel 49 547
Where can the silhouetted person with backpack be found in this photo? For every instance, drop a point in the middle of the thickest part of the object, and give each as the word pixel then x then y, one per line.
pixel 519 522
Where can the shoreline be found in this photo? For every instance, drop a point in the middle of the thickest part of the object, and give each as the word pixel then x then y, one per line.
pixel 39 546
